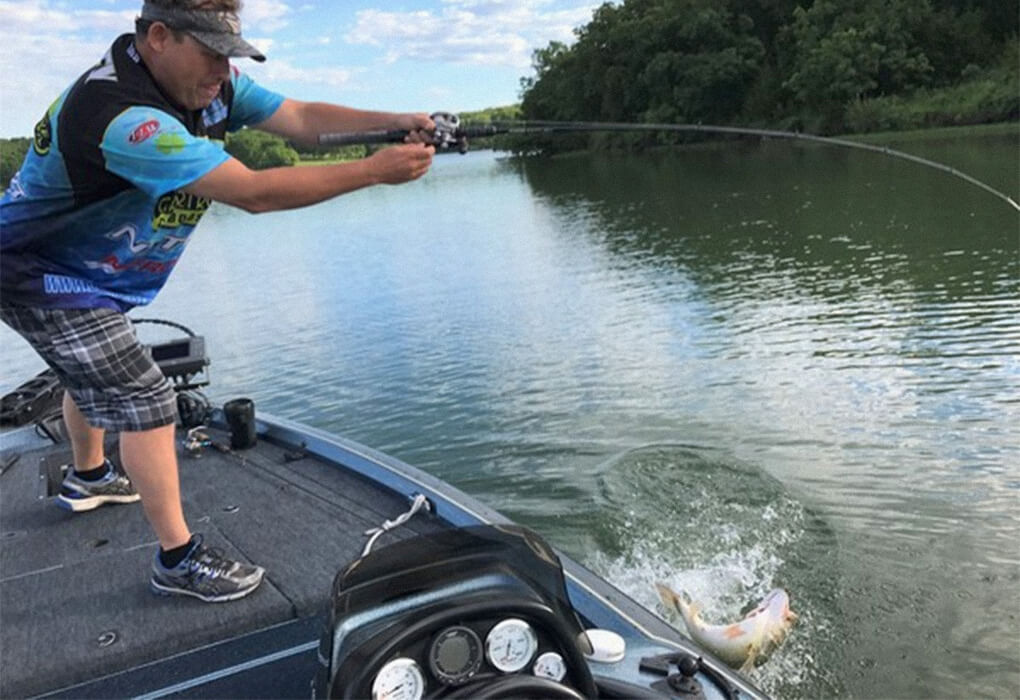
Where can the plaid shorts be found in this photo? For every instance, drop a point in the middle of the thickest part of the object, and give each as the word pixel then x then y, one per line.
pixel 111 378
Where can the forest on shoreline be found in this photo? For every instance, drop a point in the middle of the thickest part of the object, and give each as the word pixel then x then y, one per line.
pixel 825 67
pixel 822 67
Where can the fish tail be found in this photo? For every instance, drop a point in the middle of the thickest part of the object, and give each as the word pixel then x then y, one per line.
pixel 680 602
pixel 669 597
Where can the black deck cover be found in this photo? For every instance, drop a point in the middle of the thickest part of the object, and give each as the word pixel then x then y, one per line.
pixel 74 597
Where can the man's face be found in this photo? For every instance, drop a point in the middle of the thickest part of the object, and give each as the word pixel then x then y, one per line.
pixel 192 73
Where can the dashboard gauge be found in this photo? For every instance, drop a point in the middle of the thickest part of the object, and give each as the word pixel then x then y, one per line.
pixel 455 655
pixel 510 645
pixel 400 679
pixel 550 665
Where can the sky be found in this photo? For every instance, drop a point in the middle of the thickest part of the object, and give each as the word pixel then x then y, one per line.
pixel 407 55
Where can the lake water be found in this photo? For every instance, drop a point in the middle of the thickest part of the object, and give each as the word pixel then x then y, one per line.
pixel 727 368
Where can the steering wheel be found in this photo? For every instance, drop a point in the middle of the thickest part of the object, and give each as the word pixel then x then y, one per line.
pixel 516 687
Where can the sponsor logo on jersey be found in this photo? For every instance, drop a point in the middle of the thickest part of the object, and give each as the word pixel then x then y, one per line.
pixel 143 132
pixel 179 209
pixel 170 142
pixel 43 136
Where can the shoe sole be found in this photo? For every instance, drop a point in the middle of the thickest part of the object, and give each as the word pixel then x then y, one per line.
pixel 79 505
pixel 162 590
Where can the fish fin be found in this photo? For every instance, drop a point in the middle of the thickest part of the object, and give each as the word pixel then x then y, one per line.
pixel 753 652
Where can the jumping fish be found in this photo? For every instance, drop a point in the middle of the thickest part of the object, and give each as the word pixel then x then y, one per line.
pixel 742 645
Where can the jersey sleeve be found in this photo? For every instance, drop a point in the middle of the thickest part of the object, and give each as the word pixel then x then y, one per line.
pixel 253 103
pixel 155 152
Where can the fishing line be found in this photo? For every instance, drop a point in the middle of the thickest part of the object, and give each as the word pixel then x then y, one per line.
pixel 450 134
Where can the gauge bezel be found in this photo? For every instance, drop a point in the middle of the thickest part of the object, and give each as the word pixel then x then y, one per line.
pixel 474 662
pixel 550 655
pixel 411 665
pixel 531 639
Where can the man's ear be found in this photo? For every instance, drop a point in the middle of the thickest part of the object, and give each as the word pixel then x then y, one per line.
pixel 158 36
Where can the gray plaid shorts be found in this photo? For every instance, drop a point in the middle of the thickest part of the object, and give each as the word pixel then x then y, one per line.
pixel 111 378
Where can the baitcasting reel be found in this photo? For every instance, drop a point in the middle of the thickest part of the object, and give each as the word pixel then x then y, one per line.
pixel 448 134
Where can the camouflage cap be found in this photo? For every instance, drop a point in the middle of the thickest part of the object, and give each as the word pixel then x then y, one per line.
pixel 216 30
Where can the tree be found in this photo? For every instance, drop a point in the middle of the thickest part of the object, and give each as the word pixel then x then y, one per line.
pixel 12 154
pixel 648 60
pixel 853 50
pixel 780 63
pixel 259 150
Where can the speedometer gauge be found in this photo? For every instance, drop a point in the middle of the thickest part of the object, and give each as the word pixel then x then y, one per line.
pixel 510 645
pixel 400 679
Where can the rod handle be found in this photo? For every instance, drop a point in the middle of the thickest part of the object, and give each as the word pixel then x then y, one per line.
pixel 362 137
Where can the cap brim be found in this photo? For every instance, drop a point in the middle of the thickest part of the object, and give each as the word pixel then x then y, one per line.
pixel 230 45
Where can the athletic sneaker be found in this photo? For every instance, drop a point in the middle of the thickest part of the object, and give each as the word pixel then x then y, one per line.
pixel 79 495
pixel 207 575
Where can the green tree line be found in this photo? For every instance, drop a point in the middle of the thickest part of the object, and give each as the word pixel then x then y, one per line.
pixel 827 66
pixel 12 153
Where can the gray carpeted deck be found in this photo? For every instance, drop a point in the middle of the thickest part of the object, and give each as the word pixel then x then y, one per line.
pixel 70 583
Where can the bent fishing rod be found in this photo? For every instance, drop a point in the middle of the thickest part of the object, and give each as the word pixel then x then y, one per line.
pixel 451 134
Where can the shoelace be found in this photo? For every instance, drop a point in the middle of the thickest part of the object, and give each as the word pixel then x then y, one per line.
pixel 210 563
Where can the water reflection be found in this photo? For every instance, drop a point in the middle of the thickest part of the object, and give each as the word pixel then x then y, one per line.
pixel 859 322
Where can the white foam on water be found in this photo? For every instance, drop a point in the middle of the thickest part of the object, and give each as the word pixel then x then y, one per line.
pixel 726 556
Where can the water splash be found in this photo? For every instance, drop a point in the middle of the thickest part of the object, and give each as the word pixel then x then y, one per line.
pixel 727 534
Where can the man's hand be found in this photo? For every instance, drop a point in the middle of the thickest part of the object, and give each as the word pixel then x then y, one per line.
pixel 398 164
pixel 419 127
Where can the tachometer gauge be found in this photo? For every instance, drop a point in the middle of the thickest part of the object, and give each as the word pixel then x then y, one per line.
pixel 510 645
pixel 400 679
pixel 550 665
pixel 455 655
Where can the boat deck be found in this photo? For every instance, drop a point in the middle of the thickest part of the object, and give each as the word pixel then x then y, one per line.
pixel 75 602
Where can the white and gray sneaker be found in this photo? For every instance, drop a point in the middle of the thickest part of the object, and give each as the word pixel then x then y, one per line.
pixel 206 574
pixel 79 495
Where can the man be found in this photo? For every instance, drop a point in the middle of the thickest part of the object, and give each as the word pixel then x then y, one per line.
pixel 121 168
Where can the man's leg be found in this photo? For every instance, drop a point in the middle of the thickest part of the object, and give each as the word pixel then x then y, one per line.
pixel 115 383
pixel 86 441
pixel 91 483
pixel 150 459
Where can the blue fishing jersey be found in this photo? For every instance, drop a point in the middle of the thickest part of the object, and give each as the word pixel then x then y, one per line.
pixel 95 216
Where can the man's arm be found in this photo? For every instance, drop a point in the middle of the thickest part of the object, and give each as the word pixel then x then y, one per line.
pixel 302 122
pixel 273 189
pixel 289 188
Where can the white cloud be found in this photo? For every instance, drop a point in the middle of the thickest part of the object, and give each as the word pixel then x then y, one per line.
pixel 265 15
pixel 35 16
pixel 34 70
pixel 282 71
pixel 479 32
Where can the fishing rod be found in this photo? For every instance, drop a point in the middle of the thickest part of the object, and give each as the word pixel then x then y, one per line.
pixel 451 134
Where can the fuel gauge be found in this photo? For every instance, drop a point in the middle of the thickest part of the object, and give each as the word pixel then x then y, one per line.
pixel 550 665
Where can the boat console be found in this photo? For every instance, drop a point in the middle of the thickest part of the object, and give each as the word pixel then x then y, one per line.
pixel 469 612
pixel 475 612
